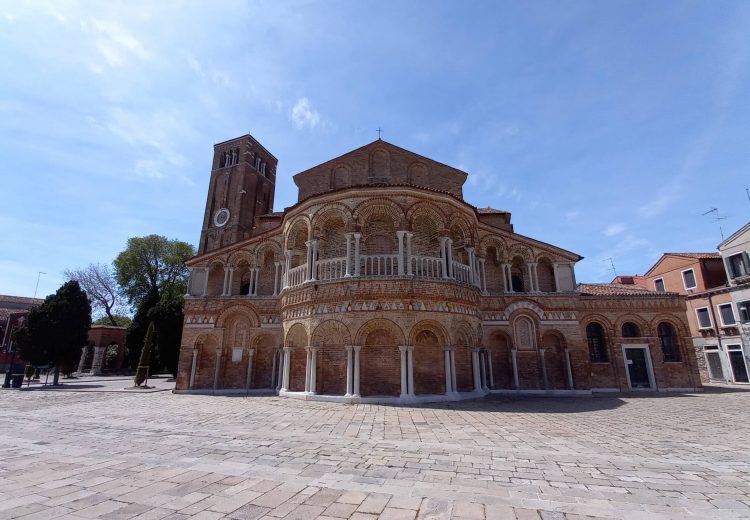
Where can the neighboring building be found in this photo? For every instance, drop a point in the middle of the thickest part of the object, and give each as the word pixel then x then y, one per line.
pixel 381 284
pixel 13 311
pixel 714 327
pixel 103 338
pixel 735 251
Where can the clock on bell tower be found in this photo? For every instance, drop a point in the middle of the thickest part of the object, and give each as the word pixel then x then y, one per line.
pixel 242 185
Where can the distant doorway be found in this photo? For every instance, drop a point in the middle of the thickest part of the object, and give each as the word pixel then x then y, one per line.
pixel 737 362
pixel 638 367
pixel 713 362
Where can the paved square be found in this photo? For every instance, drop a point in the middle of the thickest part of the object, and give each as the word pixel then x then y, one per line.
pixel 157 455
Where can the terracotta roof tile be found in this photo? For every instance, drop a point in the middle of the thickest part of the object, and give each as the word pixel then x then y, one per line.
pixel 699 256
pixel 616 289
pixel 4 298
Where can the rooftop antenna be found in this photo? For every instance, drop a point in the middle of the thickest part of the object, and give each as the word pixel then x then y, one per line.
pixel 612 265
pixel 717 218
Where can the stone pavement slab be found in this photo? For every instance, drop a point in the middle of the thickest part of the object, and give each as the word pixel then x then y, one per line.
pixel 125 455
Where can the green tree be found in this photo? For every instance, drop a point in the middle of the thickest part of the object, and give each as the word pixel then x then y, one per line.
pixel 119 321
pixel 145 360
pixel 137 330
pixel 153 263
pixel 168 316
pixel 56 330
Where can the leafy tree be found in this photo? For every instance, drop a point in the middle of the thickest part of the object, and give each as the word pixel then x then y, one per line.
pixel 153 263
pixel 137 330
pixel 56 330
pixel 145 360
pixel 168 316
pixel 100 284
pixel 120 321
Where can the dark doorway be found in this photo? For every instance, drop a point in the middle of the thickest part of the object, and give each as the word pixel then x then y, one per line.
pixel 739 369
pixel 635 358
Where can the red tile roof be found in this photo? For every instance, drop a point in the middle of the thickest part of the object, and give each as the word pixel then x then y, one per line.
pixel 4 298
pixel 615 289
pixel 699 256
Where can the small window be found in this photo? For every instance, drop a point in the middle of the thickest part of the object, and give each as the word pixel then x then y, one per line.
pixel 597 343
pixel 669 344
pixel 630 330
pixel 744 310
pixel 726 313
pixel 257 163
pixel 704 319
pixel 659 285
pixel 739 265
pixel 688 278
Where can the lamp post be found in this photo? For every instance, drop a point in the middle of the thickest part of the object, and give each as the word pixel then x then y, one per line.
pixel 37 282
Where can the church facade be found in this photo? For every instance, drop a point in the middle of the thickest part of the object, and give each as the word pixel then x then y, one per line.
pixel 381 284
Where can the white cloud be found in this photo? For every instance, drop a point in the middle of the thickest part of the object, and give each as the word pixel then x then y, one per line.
pixel 657 205
pixel 114 42
pixel 614 229
pixel 303 115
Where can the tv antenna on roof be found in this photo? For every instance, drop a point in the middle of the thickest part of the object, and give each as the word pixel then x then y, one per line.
pixel 717 218
pixel 612 264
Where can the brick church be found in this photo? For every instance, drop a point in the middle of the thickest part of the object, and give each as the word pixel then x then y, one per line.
pixel 382 284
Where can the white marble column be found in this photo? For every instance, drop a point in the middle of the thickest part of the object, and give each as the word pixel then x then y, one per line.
pixel 489 369
pixel 313 370
pixel 308 260
pixel 189 291
pixel 404 387
pixel 544 369
pixel 348 262
pixel 287 266
pixel 314 270
pixel 274 369
pixel 409 259
pixel 531 277
pixel 357 237
pixel 475 370
pixel 308 362
pixel 277 266
pixel 448 377
pixel 205 281
pixel 514 363
pixel 573 273
pixel 249 378
pixel 287 366
pixel 256 280
pixel 453 370
pixel 226 277
pixel 218 368
pixel 483 274
pixel 355 389
pixel 508 277
pixel 410 368
pixel 444 256
pixel 483 369
pixel 470 250
pixel 449 257
pixel 280 369
pixel 569 369
pixel 557 278
pixel 400 238
pixel 349 371
pixel 193 368
pixel 231 281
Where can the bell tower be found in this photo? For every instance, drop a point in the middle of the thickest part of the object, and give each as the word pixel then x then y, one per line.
pixel 242 186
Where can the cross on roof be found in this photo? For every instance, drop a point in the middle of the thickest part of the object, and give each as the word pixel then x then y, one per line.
pixel 379 131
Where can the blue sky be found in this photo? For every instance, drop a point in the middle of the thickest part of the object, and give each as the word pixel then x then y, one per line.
pixel 606 128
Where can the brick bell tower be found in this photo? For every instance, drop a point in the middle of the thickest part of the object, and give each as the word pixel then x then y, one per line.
pixel 242 186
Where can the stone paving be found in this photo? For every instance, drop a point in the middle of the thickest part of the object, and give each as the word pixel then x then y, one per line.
pixel 120 455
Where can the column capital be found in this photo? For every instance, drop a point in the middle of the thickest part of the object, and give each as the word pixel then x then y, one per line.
pixel 449 348
pixel 218 350
pixel 195 349
pixel 357 234
pixel 443 240
pixel 400 233
pixel 469 249
pixel 409 234
pixel 287 349
pixel 410 348
pixel 403 348
pixel 311 348
pixel 357 348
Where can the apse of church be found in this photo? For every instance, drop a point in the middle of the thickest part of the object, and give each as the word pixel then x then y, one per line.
pixel 381 284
